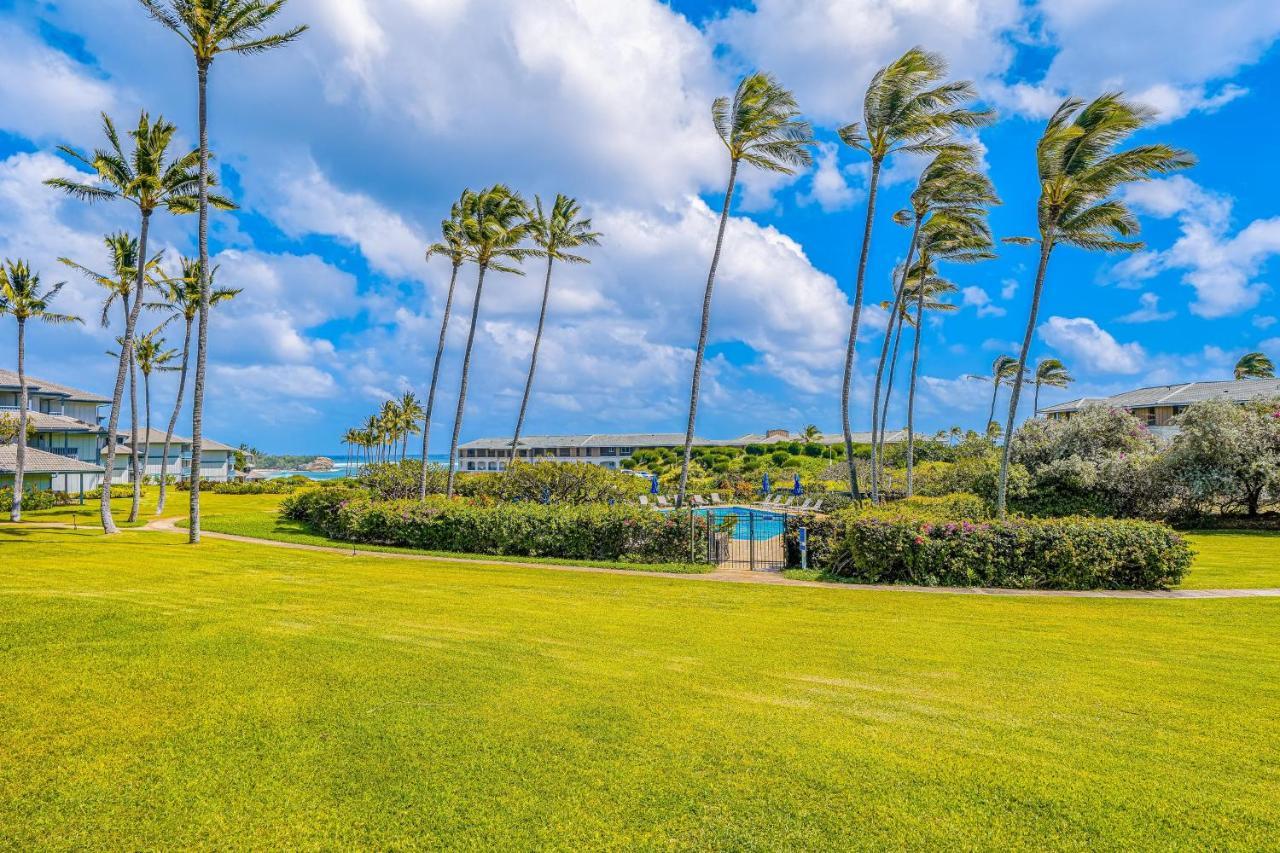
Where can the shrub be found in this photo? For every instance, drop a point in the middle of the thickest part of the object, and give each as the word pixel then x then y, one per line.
pixel 390 481
pixel 319 507
pixel 33 499
pixel 566 482
pixel 1226 457
pixel 1068 553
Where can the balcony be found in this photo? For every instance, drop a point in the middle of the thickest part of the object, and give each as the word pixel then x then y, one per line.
pixel 67 452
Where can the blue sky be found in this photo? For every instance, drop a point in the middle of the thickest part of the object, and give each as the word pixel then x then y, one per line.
pixel 345 151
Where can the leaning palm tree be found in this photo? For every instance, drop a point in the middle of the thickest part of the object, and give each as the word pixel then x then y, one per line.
pixel 210 28
pixel 1080 171
pixel 182 301
pixel 22 297
pixel 811 434
pixel 145 178
pixel 119 285
pixel 1255 365
pixel 495 221
pixel 410 413
pixel 150 354
pixel 554 233
pixel 1050 372
pixel 452 245
pixel 760 127
pixel 903 111
pixel 1002 371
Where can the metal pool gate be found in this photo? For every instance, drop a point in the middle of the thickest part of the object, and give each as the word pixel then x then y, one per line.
pixel 748 539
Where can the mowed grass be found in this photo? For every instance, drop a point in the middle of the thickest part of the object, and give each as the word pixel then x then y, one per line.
pixel 238 696
pixel 176 504
pixel 1234 559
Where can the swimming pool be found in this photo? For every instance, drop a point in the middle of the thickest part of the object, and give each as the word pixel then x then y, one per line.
pixel 749 523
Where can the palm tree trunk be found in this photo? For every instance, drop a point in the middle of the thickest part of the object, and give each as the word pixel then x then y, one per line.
pixel 533 358
pixel 133 431
pixel 1002 493
pixel 146 401
pixel 872 187
pixel 435 376
pixel 911 395
pixel 894 321
pixel 126 359
pixel 696 384
pixel 991 416
pixel 462 385
pixel 202 335
pixel 15 508
pixel 173 419
pixel 888 394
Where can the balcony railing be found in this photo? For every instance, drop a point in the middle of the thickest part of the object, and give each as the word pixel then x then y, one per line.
pixel 68 452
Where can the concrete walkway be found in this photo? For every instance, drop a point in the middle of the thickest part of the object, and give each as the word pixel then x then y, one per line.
pixel 727 574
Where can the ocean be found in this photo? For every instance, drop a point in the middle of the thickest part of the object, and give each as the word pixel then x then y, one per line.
pixel 346 465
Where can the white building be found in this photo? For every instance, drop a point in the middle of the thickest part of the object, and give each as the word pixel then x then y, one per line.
pixel 609 449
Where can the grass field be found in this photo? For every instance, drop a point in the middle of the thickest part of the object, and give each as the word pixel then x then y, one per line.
pixel 152 695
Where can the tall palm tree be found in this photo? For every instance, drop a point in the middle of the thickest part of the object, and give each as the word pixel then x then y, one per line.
pixel 150 354
pixel 554 234
pixel 811 434
pixel 1255 365
pixel 182 301
pixel 352 439
pixel 1050 372
pixel 22 297
pixel 760 127
pixel 147 179
pixel 903 111
pixel 411 412
pixel 1002 371
pixel 495 221
pixel 119 285
pixel 452 245
pixel 210 28
pixel 372 435
pixel 952 183
pixel 1080 171
pixel 389 420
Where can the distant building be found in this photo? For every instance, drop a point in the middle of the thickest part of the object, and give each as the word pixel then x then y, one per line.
pixel 1158 406
pixel 69 425
pixel 609 449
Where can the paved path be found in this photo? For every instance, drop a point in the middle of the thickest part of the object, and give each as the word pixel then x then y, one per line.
pixel 727 574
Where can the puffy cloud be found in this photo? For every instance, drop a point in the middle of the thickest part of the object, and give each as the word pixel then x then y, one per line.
pixel 1148 311
pixel 1087 344
pixel 829 187
pixel 975 297
pixel 44 94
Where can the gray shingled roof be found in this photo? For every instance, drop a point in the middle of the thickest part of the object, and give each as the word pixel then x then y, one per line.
pixel 9 380
pixel 42 462
pixel 157 439
pixel 1182 394
pixel 55 423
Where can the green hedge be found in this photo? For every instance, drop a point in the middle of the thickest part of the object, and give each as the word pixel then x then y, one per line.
pixel 1067 553
pixel 571 532
pixel 33 499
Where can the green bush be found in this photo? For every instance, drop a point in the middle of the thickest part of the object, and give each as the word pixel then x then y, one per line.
pixel 319 507
pixel 390 481
pixel 1067 553
pixel 32 499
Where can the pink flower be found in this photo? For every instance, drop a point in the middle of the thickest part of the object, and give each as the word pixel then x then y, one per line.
pixel 919 540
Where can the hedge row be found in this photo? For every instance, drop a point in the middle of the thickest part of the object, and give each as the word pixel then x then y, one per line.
pixel 33 499
pixel 583 532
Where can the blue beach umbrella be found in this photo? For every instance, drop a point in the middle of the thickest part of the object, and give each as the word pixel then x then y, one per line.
pixel 795 487
pixel 764 484
pixel 653 485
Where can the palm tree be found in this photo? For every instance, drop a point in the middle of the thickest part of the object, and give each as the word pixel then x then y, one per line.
pixel 372 435
pixel 903 111
pixel 145 179
pixel 1002 371
pixel 119 284
pixel 760 127
pixel 495 221
pixel 563 229
pixel 1080 171
pixel 953 185
pixel 452 245
pixel 209 28
pixel 1051 372
pixel 410 413
pixel 811 434
pixel 182 301
pixel 150 353
pixel 1255 365
pixel 22 297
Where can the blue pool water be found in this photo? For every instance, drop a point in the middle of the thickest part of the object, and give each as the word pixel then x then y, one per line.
pixel 766 524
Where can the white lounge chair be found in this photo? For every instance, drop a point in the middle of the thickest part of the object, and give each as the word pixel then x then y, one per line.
pixel 663 502
pixel 808 504
pixel 817 505
pixel 644 500
pixel 697 500
pixel 715 498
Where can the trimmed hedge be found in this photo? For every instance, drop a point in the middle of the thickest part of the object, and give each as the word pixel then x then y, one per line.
pixel 1067 553
pixel 33 499
pixel 571 532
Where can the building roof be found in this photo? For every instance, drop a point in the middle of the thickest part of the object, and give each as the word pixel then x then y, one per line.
pixel 663 439
pixel 156 437
pixel 45 422
pixel 1182 394
pixel 43 462
pixel 9 381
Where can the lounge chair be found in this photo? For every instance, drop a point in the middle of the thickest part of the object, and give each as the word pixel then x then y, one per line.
pixel 663 502
pixel 644 500
pixel 769 500
pixel 715 498
pixel 698 500
pixel 786 502
pixel 808 504
pixel 817 505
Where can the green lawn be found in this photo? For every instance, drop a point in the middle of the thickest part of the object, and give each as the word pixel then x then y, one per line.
pixel 1234 559
pixel 155 695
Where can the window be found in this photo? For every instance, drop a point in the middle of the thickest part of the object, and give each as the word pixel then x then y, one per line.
pixel 624 451
pixel 608 451
pixel 564 451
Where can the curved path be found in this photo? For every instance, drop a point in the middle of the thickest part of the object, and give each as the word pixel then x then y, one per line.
pixel 728 575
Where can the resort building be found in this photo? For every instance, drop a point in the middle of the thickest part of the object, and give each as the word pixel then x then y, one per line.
pixel 610 449
pixel 69 425
pixel 1158 406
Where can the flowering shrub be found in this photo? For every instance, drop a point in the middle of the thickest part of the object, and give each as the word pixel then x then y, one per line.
pixel 33 499
pixel 1067 553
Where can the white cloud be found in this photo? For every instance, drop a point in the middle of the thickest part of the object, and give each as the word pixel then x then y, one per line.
pixel 1086 343
pixel 1008 287
pixel 1148 311
pixel 1263 321
pixel 829 187
pixel 976 297
pixel 44 94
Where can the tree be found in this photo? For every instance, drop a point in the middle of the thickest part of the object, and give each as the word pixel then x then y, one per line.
pixel 554 234
pixel 1080 171
pixel 903 111
pixel 761 127
pixel 1002 371
pixel 1255 365
pixel 210 28
pixel 495 221
pixel 148 180
pixel 182 301
pixel 119 285
pixel 1050 372
pixel 22 298
pixel 452 245
pixel 151 356
pixel 410 413
pixel 811 434
pixel 1226 456
pixel 927 293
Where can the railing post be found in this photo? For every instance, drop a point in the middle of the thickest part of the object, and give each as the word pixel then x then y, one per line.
pixel 751 529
